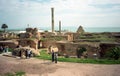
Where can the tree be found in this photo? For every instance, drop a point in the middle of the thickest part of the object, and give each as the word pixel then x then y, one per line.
pixel 4 26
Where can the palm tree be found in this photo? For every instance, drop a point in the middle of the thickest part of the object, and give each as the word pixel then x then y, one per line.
pixel 4 26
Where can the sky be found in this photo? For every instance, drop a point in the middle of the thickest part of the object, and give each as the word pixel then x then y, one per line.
pixel 37 13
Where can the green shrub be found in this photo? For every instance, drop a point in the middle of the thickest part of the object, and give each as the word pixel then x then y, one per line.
pixel 20 73
pixel 114 53
pixel 10 49
pixel 80 51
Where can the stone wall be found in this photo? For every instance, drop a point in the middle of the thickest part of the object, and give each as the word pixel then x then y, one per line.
pixel 69 36
pixel 76 36
pixel 25 35
pixel 28 42
pixel 9 43
pixel 71 48
pixel 17 51
pixel 106 47
pixel 8 35
pixel 30 33
pixel 47 44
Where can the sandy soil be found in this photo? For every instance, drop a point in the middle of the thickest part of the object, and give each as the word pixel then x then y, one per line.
pixel 36 67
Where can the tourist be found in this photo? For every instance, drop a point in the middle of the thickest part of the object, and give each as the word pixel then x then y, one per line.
pixel 56 55
pixel 6 49
pixel 95 55
pixel 29 53
pixel 1 49
pixel 26 53
pixel 53 55
pixel 20 54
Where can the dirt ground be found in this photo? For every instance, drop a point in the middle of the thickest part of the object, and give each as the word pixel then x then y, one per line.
pixel 37 67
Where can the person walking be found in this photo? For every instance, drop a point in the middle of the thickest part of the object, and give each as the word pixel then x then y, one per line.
pixel 1 49
pixel 53 55
pixel 56 55
pixel 20 54
pixel 6 49
pixel 29 53
pixel 26 53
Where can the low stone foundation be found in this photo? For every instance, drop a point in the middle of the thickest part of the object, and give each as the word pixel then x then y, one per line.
pixel 9 43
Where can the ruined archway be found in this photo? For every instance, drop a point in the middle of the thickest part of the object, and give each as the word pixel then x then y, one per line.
pixel 40 44
pixel 80 51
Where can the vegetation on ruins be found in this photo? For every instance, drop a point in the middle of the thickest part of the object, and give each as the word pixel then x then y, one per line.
pixel 114 53
pixel 101 37
pixel 46 56
pixel 52 39
pixel 4 26
pixel 80 51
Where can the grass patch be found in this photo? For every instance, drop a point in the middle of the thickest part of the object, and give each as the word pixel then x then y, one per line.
pixel 19 73
pixel 93 61
pixel 46 56
pixel 99 37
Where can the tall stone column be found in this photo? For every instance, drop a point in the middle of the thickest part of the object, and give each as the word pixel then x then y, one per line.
pixel 52 14
pixel 60 27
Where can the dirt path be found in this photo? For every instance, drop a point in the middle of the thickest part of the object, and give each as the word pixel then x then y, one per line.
pixel 36 67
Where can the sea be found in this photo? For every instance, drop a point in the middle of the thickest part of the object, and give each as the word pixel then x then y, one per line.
pixel 72 29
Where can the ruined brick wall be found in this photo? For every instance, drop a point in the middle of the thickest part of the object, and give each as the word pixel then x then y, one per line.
pixel 25 35
pixel 47 44
pixel 10 44
pixel 107 47
pixel 76 36
pixel 30 33
pixel 28 42
pixel 70 49
pixel 69 36
pixel 8 35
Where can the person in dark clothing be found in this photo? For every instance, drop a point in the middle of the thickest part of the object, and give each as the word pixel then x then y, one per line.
pixel 26 53
pixel 20 53
pixel 56 55
pixel 1 49
pixel 29 53
pixel 53 55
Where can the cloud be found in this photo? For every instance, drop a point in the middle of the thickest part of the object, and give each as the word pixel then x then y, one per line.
pixel 105 1
pixel 71 12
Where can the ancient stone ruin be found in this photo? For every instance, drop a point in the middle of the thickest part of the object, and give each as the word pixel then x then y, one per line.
pixel 80 30
pixel 65 43
pixel 30 33
pixel 17 51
